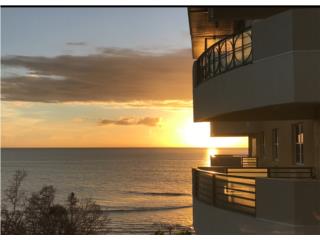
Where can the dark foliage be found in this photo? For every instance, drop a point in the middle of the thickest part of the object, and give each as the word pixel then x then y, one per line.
pixel 38 214
pixel 169 229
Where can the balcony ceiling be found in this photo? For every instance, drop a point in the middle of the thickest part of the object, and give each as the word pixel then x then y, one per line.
pixel 201 28
pixel 216 22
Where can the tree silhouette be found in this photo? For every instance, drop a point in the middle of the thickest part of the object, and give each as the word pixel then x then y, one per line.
pixel 39 214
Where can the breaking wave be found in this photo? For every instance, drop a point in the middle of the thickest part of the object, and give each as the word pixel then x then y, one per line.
pixel 168 194
pixel 142 209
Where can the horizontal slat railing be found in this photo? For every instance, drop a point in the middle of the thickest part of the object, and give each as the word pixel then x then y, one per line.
pixel 236 189
pixel 273 172
pixel 224 191
pixel 248 162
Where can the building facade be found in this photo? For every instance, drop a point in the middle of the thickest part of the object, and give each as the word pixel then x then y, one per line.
pixel 257 74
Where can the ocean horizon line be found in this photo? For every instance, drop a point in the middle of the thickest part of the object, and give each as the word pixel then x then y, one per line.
pixel 122 148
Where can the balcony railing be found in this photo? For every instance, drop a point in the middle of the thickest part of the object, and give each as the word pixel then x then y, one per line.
pixel 233 161
pixel 248 162
pixel 231 192
pixel 229 53
pixel 236 189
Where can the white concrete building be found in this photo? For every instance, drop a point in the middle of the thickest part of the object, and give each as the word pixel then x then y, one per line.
pixel 257 74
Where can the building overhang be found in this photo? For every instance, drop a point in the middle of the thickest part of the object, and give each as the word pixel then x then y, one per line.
pixel 203 29
pixel 290 111
pixel 210 24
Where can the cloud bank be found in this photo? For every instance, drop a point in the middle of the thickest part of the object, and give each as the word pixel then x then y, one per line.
pixel 127 121
pixel 113 75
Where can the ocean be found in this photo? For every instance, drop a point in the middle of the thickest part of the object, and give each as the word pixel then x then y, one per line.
pixel 141 189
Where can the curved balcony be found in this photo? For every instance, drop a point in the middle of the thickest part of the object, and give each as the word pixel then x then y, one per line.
pixel 245 197
pixel 227 54
pixel 255 75
pixel 235 188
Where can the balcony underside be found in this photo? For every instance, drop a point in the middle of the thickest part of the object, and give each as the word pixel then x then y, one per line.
pixel 206 23
pixel 289 111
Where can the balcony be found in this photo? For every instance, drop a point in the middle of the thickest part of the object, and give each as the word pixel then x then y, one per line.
pixel 267 199
pixel 227 54
pixel 220 190
pixel 267 72
pixel 236 189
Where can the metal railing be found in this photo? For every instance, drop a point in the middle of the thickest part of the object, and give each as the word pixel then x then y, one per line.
pixel 225 191
pixel 227 54
pixel 273 172
pixel 249 162
pixel 233 161
pixel 236 189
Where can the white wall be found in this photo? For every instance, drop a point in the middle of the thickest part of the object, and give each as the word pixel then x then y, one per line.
pixel 286 146
pixel 291 201
pixel 211 220
pixel 252 86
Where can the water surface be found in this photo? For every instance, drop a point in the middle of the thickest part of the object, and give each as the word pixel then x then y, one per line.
pixel 139 188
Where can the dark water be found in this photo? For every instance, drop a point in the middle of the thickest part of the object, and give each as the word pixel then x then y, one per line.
pixel 139 188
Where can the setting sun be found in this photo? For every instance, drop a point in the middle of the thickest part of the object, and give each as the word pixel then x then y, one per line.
pixel 198 135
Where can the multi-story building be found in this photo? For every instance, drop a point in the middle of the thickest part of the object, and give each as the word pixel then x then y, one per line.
pixel 257 74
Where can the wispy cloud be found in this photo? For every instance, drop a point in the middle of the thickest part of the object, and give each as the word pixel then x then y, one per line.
pixel 127 121
pixel 114 75
pixel 161 104
pixel 145 104
pixel 76 43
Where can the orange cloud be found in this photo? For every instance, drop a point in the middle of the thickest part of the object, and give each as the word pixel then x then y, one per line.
pixel 147 121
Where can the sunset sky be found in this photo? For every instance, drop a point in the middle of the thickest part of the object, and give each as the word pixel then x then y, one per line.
pixel 99 77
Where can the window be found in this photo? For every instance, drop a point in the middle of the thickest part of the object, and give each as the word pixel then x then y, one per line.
pixel 298 143
pixel 275 144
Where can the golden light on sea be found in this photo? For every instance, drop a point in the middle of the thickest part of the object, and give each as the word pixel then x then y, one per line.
pixel 212 152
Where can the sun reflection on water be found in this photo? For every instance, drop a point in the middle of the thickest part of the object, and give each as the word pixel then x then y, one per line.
pixel 211 152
